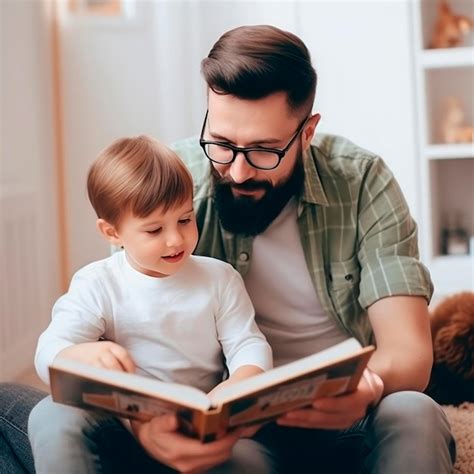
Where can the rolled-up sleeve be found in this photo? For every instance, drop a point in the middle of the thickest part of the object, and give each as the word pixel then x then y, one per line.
pixel 388 241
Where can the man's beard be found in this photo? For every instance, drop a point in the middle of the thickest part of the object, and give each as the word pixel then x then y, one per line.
pixel 248 216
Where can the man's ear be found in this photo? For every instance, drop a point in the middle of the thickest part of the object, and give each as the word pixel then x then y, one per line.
pixel 108 231
pixel 309 129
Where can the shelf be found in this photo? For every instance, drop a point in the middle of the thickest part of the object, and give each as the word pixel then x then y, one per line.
pixel 449 151
pixel 447 58
pixel 458 261
pixel 446 169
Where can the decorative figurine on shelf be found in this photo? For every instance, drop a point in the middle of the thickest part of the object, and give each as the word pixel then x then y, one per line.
pixel 450 28
pixel 454 236
pixel 453 127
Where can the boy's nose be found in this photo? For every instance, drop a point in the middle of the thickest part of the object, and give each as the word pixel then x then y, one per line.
pixel 174 238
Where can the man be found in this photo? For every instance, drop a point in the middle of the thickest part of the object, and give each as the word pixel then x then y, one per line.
pixel 322 235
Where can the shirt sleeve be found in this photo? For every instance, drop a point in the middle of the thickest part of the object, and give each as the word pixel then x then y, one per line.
pixel 388 241
pixel 76 318
pixel 242 341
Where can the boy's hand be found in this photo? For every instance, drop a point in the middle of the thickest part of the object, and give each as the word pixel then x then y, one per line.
pixel 104 354
pixel 241 373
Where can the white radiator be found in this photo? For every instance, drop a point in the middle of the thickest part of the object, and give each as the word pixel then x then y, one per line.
pixel 20 298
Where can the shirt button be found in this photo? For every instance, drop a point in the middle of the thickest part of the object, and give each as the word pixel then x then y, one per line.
pixel 244 256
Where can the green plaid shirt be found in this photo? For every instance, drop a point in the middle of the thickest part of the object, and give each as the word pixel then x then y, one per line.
pixel 359 240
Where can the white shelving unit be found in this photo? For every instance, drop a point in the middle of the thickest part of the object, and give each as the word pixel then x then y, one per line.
pixel 446 170
pixel 449 151
pixel 446 58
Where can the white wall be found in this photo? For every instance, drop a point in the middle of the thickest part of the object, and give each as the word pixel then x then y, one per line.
pixel 110 90
pixel 142 76
pixel 29 280
pixel 363 52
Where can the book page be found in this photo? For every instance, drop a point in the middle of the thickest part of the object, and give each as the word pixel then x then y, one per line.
pixel 66 376
pixel 273 401
pixel 294 369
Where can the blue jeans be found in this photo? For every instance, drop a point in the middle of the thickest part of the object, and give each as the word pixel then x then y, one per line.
pixel 406 433
pixel 16 402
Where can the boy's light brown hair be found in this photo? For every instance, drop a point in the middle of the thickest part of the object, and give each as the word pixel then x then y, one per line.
pixel 137 175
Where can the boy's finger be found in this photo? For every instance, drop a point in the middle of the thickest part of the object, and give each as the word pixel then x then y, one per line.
pixel 109 361
pixel 123 357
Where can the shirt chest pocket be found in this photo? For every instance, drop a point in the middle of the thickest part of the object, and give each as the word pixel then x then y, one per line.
pixel 343 284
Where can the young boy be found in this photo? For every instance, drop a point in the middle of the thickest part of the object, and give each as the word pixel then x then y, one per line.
pixel 163 312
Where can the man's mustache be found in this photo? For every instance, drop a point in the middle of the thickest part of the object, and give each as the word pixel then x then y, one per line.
pixel 247 185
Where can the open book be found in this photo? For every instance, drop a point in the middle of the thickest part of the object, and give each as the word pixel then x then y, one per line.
pixel 260 398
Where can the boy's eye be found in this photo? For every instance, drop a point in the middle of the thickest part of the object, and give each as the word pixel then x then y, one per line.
pixel 154 231
pixel 185 221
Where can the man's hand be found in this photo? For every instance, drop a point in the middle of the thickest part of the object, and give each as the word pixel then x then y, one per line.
pixel 159 437
pixel 100 354
pixel 337 413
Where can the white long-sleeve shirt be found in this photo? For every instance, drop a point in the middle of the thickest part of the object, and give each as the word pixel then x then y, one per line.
pixel 183 328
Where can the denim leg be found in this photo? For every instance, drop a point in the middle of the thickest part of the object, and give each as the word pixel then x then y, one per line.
pixel 8 461
pixel 69 440
pixel 409 432
pixel 65 439
pixel 248 457
pixel 305 451
pixel 16 402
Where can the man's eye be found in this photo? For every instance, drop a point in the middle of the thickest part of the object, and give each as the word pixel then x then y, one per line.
pixel 185 221
pixel 154 231
pixel 223 146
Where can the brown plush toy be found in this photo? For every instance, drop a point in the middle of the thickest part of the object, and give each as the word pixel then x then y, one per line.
pixel 449 28
pixel 452 327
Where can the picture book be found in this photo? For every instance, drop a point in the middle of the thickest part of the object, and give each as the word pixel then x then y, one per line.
pixel 331 372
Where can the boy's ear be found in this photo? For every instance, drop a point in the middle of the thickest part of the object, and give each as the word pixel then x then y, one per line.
pixel 108 231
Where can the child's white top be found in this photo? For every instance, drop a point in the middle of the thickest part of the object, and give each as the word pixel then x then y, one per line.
pixel 177 328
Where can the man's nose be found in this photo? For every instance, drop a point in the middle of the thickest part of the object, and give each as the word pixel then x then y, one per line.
pixel 240 170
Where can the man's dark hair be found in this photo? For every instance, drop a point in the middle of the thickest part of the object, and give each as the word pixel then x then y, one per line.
pixel 252 62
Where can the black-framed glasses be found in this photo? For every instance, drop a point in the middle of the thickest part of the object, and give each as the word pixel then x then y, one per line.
pixel 259 157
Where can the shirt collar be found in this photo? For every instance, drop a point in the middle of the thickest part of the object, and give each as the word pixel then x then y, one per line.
pixel 313 191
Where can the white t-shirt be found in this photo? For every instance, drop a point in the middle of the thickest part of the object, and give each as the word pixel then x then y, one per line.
pixel 177 328
pixel 292 319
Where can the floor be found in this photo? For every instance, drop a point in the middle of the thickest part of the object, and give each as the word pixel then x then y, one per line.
pixel 29 377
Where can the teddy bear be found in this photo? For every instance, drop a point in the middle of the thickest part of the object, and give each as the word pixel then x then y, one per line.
pixel 452 328
pixel 449 28
pixel 453 127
